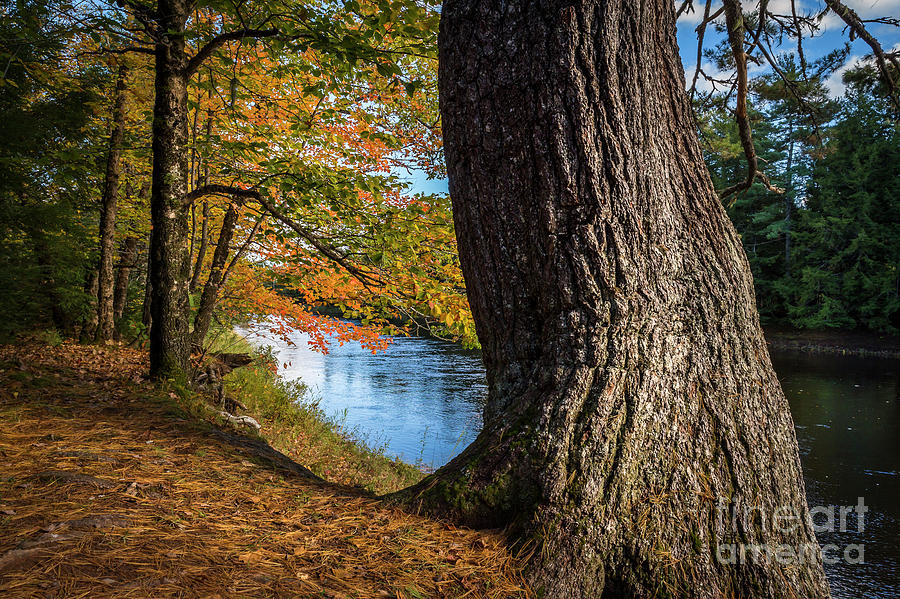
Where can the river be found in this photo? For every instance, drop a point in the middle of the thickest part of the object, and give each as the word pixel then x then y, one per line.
pixel 421 400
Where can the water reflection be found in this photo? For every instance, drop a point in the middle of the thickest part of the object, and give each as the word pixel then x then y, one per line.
pixel 421 399
pixel 847 415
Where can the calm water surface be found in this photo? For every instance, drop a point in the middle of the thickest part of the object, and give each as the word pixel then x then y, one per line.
pixel 421 400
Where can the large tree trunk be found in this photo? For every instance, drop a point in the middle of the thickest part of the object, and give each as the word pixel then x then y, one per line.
pixel 105 284
pixel 216 278
pixel 169 258
pixel 630 389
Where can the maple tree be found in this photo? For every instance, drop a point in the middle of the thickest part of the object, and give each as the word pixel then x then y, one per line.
pixel 305 134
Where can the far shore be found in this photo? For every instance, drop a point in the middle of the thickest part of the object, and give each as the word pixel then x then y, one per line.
pixel 865 344
pixel 835 342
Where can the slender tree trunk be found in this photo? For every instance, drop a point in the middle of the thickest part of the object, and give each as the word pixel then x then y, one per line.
pixel 169 259
pixel 146 315
pixel 127 258
pixel 105 293
pixel 201 252
pixel 216 278
pixel 203 179
pixel 89 326
pixel 193 238
pixel 631 394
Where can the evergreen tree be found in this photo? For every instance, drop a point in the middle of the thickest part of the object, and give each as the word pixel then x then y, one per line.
pixel 48 172
pixel 850 224
pixel 757 214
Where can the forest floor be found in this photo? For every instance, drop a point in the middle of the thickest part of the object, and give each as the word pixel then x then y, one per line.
pixel 111 487
pixel 846 343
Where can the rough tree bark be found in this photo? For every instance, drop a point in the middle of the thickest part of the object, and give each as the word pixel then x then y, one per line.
pixel 630 388
pixel 105 283
pixel 169 259
pixel 216 278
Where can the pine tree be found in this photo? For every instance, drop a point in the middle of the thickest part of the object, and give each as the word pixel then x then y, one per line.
pixel 850 225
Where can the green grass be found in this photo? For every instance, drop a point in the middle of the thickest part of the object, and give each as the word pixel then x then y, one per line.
pixel 293 422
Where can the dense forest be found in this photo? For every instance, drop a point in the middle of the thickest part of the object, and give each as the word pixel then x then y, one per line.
pixel 824 251
pixel 322 125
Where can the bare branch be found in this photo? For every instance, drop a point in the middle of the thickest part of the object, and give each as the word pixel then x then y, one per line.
pixel 734 22
pixel 857 26
pixel 687 5
pixel 701 31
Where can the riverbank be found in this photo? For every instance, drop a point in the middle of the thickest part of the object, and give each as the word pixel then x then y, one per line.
pixel 112 486
pixel 840 343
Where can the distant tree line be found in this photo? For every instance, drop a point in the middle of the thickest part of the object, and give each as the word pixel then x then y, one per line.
pixel 825 246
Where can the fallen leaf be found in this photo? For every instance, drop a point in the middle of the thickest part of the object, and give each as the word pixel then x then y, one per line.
pixel 252 557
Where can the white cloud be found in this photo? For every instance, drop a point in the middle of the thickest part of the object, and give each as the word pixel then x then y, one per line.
pixel 867 9
pixel 704 86
pixel 874 8
pixel 835 83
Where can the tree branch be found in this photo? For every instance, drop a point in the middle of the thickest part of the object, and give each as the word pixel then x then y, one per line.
pixel 127 50
pixel 218 190
pixel 734 22
pixel 687 5
pixel 218 41
pixel 701 32
pixel 243 249
pixel 856 25
pixel 329 252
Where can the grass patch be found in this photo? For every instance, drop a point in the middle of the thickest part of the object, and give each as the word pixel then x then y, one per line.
pixel 293 423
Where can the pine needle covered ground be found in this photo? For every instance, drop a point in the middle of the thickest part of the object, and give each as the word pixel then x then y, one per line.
pixel 111 487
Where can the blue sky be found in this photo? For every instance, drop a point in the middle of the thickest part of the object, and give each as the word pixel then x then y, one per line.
pixel 830 36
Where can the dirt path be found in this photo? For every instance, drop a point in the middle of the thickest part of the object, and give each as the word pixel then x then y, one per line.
pixel 107 489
